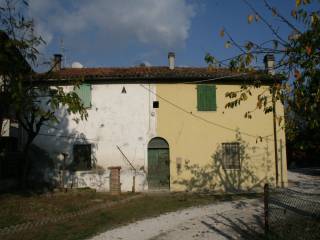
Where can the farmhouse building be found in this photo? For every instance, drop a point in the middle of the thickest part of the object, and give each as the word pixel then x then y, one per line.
pixel 167 128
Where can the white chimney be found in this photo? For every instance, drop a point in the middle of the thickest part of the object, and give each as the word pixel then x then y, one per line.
pixel 171 58
pixel 269 63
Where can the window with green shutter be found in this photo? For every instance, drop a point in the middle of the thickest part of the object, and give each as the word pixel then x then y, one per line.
pixel 206 98
pixel 84 92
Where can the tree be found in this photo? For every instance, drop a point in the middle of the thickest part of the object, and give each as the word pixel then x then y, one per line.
pixel 31 103
pixel 297 59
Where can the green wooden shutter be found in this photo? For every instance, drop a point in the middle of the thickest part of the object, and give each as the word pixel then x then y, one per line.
pixel 206 97
pixel 201 97
pixel 211 98
pixel 84 92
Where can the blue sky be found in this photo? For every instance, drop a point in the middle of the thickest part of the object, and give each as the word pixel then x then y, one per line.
pixel 100 33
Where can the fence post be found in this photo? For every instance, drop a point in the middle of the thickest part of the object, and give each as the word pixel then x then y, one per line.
pixel 266 209
pixel 134 182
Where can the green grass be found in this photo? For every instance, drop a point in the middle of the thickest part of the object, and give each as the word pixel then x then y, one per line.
pixel 101 220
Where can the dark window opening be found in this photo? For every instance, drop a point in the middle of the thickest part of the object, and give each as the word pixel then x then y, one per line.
pixel 9 157
pixel 231 155
pixel 155 104
pixel 82 157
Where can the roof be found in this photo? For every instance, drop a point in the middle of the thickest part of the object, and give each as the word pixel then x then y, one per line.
pixel 152 74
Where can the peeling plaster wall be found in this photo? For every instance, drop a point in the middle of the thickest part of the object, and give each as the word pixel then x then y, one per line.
pixel 127 120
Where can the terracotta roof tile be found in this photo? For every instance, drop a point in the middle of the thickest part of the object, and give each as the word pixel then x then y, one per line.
pixel 147 73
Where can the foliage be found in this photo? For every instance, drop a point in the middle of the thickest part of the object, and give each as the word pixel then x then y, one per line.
pixel 297 58
pixel 21 97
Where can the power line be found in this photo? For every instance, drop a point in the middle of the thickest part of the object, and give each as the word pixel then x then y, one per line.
pixel 217 78
pixel 68 136
pixel 185 111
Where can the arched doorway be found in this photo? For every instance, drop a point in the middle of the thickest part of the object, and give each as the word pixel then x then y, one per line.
pixel 158 164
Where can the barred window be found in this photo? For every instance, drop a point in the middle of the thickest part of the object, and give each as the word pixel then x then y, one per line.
pixel 231 155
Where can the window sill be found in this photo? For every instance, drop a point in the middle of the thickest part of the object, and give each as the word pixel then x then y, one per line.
pixel 232 169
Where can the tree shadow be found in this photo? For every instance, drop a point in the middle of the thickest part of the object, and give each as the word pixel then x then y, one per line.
pixel 216 177
pixel 307 171
pixel 236 228
pixel 48 170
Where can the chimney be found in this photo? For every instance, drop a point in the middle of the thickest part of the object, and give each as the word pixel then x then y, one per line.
pixel 171 58
pixel 57 62
pixel 269 63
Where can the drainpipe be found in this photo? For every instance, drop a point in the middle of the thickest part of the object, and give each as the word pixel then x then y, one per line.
pixel 275 135
pixel 269 66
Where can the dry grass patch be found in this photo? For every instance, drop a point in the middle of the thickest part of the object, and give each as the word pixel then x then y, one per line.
pixel 145 206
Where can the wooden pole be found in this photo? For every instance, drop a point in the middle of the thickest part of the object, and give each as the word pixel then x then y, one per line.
pixel 281 162
pixel 134 183
pixel 266 208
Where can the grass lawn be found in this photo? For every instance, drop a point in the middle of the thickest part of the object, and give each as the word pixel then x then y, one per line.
pixel 17 209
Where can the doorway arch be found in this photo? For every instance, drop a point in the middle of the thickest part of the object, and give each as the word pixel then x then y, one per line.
pixel 158 164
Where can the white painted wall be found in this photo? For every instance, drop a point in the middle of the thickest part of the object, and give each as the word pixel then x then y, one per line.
pixel 127 120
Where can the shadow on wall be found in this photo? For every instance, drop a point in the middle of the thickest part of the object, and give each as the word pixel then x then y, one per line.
pixel 214 176
pixel 47 169
pixel 42 173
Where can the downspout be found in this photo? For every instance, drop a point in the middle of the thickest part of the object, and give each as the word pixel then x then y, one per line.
pixel 275 135
pixel 269 61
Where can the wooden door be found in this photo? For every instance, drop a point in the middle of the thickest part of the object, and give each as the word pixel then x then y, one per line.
pixel 158 169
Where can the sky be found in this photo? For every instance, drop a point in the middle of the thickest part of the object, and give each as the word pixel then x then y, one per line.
pixel 123 33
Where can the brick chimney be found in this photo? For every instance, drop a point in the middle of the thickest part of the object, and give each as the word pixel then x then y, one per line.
pixel 57 62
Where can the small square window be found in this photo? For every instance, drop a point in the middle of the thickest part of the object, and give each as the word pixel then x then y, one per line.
pixel 155 104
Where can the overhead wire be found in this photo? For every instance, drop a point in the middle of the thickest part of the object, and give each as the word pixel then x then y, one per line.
pixel 217 78
pixel 204 119
pixel 186 111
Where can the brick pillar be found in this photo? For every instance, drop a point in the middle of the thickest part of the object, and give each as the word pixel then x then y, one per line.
pixel 115 186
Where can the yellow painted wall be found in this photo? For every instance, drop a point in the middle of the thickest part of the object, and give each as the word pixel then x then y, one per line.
pixel 195 140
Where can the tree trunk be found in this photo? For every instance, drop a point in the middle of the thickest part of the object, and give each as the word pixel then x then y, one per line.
pixel 25 168
pixel 1 119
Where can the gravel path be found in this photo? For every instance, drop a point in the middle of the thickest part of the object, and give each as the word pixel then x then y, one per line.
pixel 216 221
pixel 304 180
pixel 225 220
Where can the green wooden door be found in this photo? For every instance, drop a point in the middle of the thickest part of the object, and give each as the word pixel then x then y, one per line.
pixel 158 169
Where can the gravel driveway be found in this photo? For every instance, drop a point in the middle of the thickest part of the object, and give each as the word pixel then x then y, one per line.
pixel 305 180
pixel 225 220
